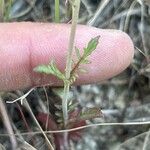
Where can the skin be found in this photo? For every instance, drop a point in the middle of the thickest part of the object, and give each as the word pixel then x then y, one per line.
pixel 23 46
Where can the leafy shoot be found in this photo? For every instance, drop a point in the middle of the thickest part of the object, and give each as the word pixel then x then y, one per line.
pixel 52 68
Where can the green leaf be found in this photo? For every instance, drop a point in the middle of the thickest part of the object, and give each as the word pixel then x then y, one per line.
pixel 91 113
pixel 85 61
pixel 50 69
pixel 73 78
pixel 78 53
pixel 91 46
pixel 43 69
pixel 72 106
pixel 82 70
pixel 59 91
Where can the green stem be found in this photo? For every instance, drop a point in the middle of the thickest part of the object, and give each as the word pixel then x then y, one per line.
pixel 65 103
pixel 75 14
pixel 57 11
pixel 2 5
pixel 7 11
pixel 76 66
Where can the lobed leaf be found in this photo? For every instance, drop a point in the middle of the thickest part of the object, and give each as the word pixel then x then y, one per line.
pixel 89 113
pixel 91 46
pixel 73 78
pixel 59 91
pixel 72 106
pixel 43 69
pixel 50 69
pixel 85 61
pixel 78 53
pixel 82 70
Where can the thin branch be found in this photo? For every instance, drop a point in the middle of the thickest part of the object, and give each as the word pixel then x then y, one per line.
pixel 88 126
pixel 7 124
pixel 37 123
pixel 100 9
pixel 127 20
pixel 131 139
pixel 146 141
pixel 21 98
pixel 142 30
pixel 75 15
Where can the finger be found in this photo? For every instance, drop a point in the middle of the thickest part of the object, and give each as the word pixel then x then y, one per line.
pixel 23 46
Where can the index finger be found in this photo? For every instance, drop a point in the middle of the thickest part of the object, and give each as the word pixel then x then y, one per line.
pixel 23 46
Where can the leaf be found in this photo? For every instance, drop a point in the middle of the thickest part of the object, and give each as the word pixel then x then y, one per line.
pixel 73 78
pixel 72 106
pixel 50 69
pixel 85 61
pixel 59 91
pixel 43 118
pixel 83 70
pixel 76 135
pixel 56 71
pixel 78 53
pixel 91 46
pixel 91 113
pixel 43 69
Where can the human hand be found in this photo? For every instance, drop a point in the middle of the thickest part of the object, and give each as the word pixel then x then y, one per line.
pixel 24 46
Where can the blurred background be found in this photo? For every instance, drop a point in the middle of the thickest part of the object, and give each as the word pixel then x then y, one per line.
pixel 124 98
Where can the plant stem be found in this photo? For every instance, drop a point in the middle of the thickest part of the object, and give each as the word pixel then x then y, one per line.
pixel 65 103
pixel 57 11
pixel 76 66
pixel 2 5
pixel 50 146
pixel 75 14
pixel 7 123
pixel 7 10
